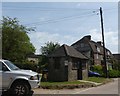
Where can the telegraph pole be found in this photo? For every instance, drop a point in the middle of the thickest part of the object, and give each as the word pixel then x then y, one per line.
pixel 104 55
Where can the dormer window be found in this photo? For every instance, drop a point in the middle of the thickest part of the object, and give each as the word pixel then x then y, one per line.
pixel 108 53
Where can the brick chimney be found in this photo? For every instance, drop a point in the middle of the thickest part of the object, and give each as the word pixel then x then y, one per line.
pixel 88 37
pixel 99 42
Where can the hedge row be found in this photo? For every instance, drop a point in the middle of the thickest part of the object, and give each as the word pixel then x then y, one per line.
pixel 27 66
pixel 114 73
pixel 111 73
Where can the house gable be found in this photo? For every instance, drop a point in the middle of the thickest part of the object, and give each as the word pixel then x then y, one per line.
pixel 66 50
pixel 91 49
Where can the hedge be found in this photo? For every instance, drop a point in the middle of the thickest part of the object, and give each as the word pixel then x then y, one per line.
pixel 111 73
pixel 98 69
pixel 27 66
pixel 114 73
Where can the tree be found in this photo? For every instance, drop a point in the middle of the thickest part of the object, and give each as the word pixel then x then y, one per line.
pixel 49 48
pixel 46 50
pixel 15 41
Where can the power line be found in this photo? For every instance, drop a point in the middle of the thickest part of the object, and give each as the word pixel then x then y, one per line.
pixel 83 21
pixel 63 18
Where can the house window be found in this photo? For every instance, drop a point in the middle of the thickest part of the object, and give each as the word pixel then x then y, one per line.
pixel 32 61
pixel 83 65
pixel 66 63
pixel 97 57
pixel 75 64
pixel 108 52
pixel 98 49
pixel 101 57
pixel 56 63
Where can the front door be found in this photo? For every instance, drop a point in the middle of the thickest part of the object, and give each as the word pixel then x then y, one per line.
pixel 79 71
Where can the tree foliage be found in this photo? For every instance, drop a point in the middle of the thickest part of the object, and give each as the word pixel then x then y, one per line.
pixel 15 41
pixel 49 48
pixel 43 63
pixel 46 50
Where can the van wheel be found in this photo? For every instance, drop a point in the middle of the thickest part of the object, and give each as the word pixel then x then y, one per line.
pixel 20 89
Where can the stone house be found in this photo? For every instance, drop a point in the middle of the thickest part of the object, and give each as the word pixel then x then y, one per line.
pixel 93 50
pixel 67 64
pixel 33 58
pixel 117 57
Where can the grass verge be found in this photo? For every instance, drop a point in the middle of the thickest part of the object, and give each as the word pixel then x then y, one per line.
pixel 74 84
pixel 98 79
pixel 60 83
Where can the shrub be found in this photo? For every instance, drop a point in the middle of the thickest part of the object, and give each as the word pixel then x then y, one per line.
pixel 111 73
pixel 114 73
pixel 27 65
pixel 98 69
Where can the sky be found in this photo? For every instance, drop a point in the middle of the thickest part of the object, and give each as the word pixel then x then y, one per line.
pixel 66 22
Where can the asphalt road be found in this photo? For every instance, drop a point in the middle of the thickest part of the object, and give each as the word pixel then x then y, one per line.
pixel 109 88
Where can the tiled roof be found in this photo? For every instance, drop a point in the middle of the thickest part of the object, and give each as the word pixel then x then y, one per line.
pixel 92 44
pixel 66 50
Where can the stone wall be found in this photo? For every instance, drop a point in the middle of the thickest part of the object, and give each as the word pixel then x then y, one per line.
pixel 57 74
pixel 66 71
pixel 85 70
pixel 72 73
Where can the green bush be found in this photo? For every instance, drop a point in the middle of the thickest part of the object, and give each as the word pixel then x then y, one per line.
pixel 114 73
pixel 98 69
pixel 27 65
pixel 111 73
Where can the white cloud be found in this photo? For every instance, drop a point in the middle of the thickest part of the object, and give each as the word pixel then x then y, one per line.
pixel 111 39
pixel 40 38
pixel 96 35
